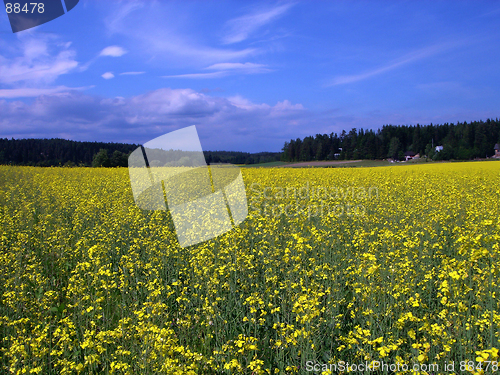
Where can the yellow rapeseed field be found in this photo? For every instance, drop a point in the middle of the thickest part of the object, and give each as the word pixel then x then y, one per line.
pixel 362 265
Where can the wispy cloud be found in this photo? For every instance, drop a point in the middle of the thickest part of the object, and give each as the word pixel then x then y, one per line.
pixel 39 60
pixel 240 28
pixel 406 59
pixel 131 73
pixel 144 25
pixel 199 75
pixel 34 92
pixel 225 69
pixel 490 13
pixel 119 14
pixel 178 48
pixel 235 66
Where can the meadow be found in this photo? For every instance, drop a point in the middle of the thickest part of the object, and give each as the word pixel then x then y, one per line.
pixel 389 264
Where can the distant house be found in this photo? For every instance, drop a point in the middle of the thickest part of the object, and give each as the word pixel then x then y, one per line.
pixel 497 151
pixel 409 155
pixel 439 148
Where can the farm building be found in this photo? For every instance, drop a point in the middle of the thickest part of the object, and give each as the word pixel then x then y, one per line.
pixel 411 155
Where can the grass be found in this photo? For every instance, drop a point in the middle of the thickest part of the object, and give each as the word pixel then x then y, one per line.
pixel 267 165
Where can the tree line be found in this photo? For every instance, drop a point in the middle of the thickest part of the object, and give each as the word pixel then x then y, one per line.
pixel 62 152
pixel 186 158
pixel 58 152
pixel 235 157
pixel 461 141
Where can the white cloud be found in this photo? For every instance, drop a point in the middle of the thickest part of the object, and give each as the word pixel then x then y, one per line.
pixel 114 51
pixel 108 75
pixel 168 101
pixel 285 105
pixel 243 103
pixel 281 108
pixel 243 124
pixel 239 29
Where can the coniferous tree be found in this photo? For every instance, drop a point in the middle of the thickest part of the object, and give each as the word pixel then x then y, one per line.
pixel 394 148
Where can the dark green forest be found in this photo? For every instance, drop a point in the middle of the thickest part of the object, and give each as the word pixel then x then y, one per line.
pixel 460 141
pixel 61 152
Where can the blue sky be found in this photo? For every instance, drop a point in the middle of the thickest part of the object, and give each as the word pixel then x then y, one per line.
pixel 249 75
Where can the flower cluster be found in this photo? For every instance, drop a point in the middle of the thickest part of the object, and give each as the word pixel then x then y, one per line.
pixel 92 284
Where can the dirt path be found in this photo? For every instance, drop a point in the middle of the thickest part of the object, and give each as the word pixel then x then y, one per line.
pixel 319 163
